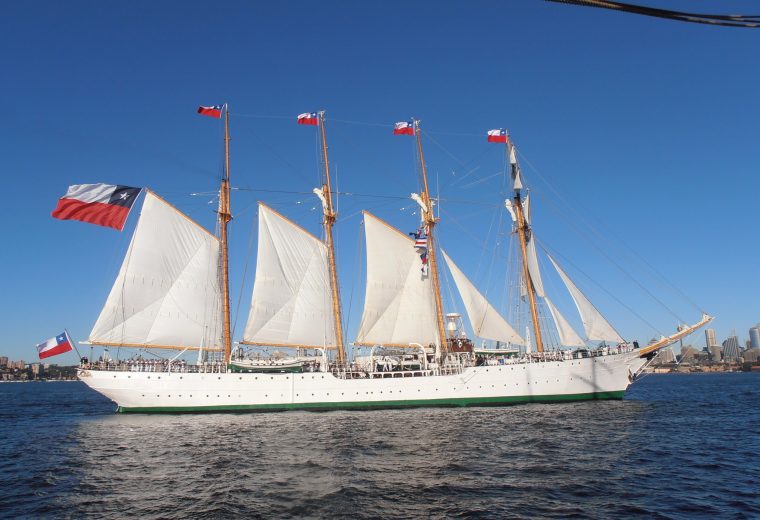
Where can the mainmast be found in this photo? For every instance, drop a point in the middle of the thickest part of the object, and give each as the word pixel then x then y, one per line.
pixel 523 231
pixel 329 221
pixel 430 221
pixel 224 218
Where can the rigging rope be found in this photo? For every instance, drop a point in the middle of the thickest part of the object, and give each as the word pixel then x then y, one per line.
pixel 725 20
pixel 599 236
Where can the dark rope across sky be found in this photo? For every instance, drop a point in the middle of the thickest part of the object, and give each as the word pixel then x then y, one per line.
pixel 726 20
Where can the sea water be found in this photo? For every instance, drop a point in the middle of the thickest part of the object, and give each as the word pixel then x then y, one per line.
pixel 678 446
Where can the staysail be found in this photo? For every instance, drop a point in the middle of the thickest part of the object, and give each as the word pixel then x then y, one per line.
pixel 567 335
pixel 399 305
pixel 535 273
pixel 291 303
pixel 485 320
pixel 595 325
pixel 167 291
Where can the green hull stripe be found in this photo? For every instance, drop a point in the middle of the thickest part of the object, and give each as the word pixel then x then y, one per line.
pixel 362 405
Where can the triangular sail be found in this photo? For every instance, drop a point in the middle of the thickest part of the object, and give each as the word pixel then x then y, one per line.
pixel 167 291
pixel 567 335
pixel 535 273
pixel 399 305
pixel 596 326
pixel 291 303
pixel 485 320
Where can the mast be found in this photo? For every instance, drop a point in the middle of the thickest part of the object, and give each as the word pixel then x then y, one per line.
pixel 430 221
pixel 329 221
pixel 224 218
pixel 523 228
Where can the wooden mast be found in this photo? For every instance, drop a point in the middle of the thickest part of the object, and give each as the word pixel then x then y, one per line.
pixel 329 221
pixel 523 228
pixel 224 218
pixel 430 221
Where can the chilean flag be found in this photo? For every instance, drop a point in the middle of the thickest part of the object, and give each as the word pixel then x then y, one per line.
pixel 403 128
pixel 498 135
pixel 54 346
pixel 102 204
pixel 215 111
pixel 308 118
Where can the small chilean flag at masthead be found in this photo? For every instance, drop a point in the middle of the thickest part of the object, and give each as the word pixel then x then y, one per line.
pixel 498 135
pixel 102 204
pixel 54 346
pixel 215 111
pixel 308 118
pixel 403 128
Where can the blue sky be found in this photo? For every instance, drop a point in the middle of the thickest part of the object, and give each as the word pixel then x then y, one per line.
pixel 649 129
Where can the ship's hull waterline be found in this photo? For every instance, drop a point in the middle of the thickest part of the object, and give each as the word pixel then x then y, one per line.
pixel 600 377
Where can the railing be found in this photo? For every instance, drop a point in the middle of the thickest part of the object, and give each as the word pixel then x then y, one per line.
pixel 148 366
pixel 354 371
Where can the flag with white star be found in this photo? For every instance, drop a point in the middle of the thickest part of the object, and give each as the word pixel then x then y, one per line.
pixel 102 204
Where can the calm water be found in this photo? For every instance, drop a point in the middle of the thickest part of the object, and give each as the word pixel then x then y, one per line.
pixel 677 447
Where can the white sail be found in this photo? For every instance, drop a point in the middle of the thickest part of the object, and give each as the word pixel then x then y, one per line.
pixel 167 292
pixel 399 306
pixel 292 302
pixel 535 273
pixel 485 320
pixel 526 207
pixel 596 326
pixel 567 335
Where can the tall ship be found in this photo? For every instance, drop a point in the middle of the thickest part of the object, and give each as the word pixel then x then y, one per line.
pixel 170 302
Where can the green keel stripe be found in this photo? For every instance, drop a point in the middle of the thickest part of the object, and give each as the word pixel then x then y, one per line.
pixel 367 405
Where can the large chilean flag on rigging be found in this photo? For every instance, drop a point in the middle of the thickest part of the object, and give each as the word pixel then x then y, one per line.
pixel 54 346
pixel 102 204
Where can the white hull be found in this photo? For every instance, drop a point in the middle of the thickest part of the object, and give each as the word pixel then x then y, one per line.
pixel 600 377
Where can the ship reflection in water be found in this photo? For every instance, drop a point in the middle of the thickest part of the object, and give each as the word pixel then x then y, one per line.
pixel 661 451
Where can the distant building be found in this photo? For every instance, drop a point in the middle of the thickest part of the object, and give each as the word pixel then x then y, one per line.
pixel 754 338
pixel 731 349
pixel 752 355
pixel 687 354
pixel 710 338
pixel 3 361
pixel 664 356
pixel 715 353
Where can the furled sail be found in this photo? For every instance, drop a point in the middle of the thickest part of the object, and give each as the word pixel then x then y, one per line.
pixel 485 320
pixel 291 303
pixel 399 306
pixel 567 335
pixel 596 326
pixel 167 292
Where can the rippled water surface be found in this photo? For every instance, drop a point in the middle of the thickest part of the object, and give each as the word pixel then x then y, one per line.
pixel 678 446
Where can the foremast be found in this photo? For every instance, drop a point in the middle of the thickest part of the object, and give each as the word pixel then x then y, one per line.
pixel 429 219
pixel 225 216
pixel 523 231
pixel 328 222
